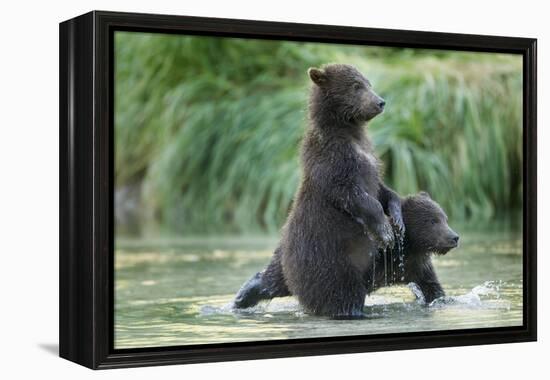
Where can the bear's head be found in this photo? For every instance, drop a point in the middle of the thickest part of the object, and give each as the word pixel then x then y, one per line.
pixel 426 226
pixel 345 93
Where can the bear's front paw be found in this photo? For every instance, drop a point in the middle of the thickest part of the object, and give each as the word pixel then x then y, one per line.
pixel 396 221
pixel 384 235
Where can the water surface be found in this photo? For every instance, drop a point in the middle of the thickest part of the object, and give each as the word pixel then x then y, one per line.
pixel 179 292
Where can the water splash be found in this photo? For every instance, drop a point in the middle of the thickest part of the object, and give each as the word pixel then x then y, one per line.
pixel 417 292
pixel 486 296
pixel 489 288
pixel 207 310
pixel 265 308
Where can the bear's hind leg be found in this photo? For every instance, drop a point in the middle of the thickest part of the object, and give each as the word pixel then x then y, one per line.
pixel 352 308
pixel 337 294
pixel 250 293
pixel 264 285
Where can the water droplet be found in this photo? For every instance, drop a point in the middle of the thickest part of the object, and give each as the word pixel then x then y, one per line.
pixel 385 267
pixel 373 273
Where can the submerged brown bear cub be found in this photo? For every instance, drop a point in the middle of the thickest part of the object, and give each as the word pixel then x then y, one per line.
pixel 342 213
pixel 426 232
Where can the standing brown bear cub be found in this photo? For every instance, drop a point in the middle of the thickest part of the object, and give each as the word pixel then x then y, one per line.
pixel 339 218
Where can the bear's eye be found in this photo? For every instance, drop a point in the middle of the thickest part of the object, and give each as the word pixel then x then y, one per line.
pixel 357 85
pixel 434 221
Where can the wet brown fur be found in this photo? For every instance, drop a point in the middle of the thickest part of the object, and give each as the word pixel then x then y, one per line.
pixel 338 220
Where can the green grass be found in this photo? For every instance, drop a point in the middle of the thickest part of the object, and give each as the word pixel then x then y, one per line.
pixel 209 128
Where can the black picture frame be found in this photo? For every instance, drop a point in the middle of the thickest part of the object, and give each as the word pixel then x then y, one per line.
pixel 86 189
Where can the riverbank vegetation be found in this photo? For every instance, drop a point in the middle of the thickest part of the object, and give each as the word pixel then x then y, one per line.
pixel 207 130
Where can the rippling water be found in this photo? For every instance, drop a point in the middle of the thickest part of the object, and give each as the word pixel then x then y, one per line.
pixel 179 292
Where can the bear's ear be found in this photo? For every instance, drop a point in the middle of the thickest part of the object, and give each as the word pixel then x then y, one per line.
pixel 318 76
pixel 425 194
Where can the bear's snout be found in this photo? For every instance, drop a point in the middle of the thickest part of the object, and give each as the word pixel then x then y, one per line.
pixel 453 239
